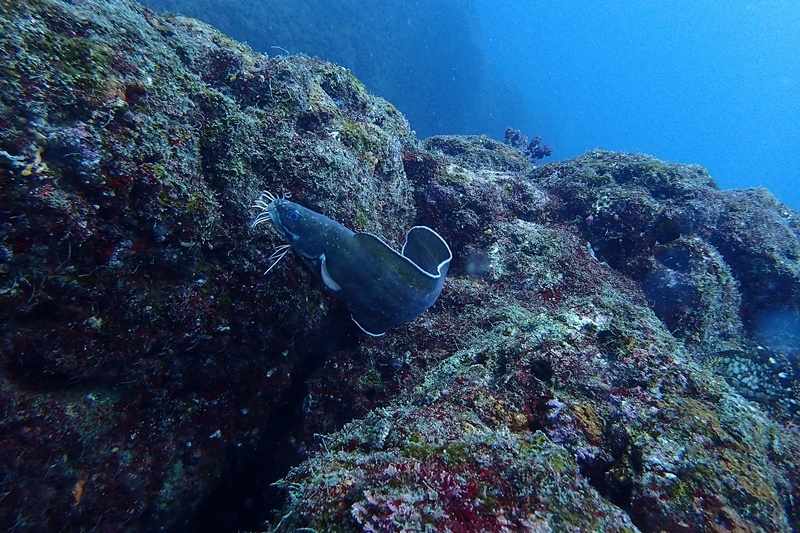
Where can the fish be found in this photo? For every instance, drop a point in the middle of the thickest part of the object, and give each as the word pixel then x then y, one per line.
pixel 382 288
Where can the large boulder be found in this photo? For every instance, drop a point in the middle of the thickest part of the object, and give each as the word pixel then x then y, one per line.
pixel 143 349
pixel 615 347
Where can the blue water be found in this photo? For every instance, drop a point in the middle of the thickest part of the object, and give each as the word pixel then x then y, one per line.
pixel 715 83
pixel 712 82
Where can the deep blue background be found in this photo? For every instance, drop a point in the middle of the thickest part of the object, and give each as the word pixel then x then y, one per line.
pixel 715 83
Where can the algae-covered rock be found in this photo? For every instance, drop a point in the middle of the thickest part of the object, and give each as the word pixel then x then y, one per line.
pixel 615 348
pixel 690 244
pixel 142 347
pixel 549 333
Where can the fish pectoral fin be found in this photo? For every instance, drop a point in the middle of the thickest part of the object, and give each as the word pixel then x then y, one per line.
pixel 319 266
pixel 326 277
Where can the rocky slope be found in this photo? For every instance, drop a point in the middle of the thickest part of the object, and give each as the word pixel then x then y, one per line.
pixel 615 348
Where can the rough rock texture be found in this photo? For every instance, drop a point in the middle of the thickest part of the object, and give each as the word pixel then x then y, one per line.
pixel 395 47
pixel 615 349
pixel 142 348
pixel 548 390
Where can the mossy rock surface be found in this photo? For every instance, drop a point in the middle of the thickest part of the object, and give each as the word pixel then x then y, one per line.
pixel 614 350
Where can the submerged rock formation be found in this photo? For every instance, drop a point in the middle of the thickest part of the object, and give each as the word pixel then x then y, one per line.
pixel 395 47
pixel 615 348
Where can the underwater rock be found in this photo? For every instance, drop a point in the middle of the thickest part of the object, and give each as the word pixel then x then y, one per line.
pixel 761 375
pixel 547 342
pixel 635 209
pixel 382 45
pixel 143 351
pixel 584 368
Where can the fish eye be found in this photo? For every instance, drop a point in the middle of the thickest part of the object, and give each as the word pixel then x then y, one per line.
pixel 293 215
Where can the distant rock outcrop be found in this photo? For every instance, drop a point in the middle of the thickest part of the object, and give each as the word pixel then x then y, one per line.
pixel 615 348
pixel 395 47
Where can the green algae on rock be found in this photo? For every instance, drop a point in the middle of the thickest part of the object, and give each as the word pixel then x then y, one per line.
pixel 135 358
pixel 549 339
pixel 566 379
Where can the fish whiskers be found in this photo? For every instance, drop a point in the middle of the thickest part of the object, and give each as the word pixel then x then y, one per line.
pixel 262 203
pixel 277 254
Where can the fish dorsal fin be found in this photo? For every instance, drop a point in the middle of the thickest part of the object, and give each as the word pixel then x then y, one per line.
pixel 382 287
pixel 426 249
pixel 372 241
pixel 378 250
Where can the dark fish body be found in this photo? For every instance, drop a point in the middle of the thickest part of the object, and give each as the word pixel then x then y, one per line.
pixel 381 287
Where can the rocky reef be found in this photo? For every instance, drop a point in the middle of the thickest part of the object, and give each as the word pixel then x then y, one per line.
pixel 616 347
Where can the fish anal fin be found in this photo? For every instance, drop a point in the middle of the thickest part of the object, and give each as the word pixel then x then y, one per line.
pixel 370 325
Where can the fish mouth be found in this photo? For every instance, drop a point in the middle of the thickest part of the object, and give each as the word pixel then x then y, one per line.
pixel 274 216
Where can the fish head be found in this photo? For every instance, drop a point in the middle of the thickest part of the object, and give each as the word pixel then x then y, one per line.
pixel 298 226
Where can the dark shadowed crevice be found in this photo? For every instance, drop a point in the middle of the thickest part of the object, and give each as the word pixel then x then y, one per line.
pixel 245 490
